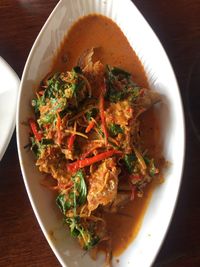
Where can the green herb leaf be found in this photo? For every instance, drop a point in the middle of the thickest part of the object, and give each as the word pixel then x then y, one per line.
pixel 62 203
pixel 46 141
pixel 117 71
pixel 51 115
pixel 37 103
pixel 120 85
pixel 77 69
pixel 54 85
pixel 37 146
pixel 129 161
pixel 115 129
pixel 115 96
pixel 88 238
pixel 151 166
pixel 152 169
pixel 81 188
pixel 76 195
pixel 115 93
pixel 93 241
pixel 74 226
pixel 76 87
pixel 134 93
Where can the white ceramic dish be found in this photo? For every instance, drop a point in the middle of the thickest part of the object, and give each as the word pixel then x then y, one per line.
pixel 145 247
pixel 8 101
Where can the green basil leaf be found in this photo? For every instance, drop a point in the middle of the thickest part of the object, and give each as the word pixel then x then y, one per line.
pixel 62 203
pixel 115 129
pixel 129 161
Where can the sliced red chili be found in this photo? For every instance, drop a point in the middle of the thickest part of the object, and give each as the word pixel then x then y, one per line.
pixel 34 129
pixel 72 167
pixel 90 126
pixel 87 153
pixel 103 119
pixel 71 142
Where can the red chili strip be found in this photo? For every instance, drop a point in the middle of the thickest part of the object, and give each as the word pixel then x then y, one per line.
pixel 87 153
pixel 71 142
pixel 72 167
pixel 103 119
pixel 90 126
pixel 34 129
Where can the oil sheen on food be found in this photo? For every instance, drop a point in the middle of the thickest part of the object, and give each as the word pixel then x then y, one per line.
pixel 113 48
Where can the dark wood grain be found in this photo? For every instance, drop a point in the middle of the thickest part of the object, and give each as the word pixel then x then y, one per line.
pixel 177 24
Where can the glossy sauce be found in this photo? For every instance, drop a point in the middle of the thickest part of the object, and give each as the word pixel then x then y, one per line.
pixel 114 49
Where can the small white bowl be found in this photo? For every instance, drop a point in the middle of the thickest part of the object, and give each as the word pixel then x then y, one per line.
pixel 143 250
pixel 8 102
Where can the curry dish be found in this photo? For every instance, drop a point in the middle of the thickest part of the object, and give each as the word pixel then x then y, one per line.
pixel 93 135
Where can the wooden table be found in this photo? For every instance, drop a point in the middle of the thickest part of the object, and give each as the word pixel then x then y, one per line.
pixel 177 24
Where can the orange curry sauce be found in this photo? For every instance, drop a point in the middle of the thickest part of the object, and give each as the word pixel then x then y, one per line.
pixel 114 49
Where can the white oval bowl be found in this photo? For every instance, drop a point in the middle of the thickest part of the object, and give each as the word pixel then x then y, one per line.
pixel 143 250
